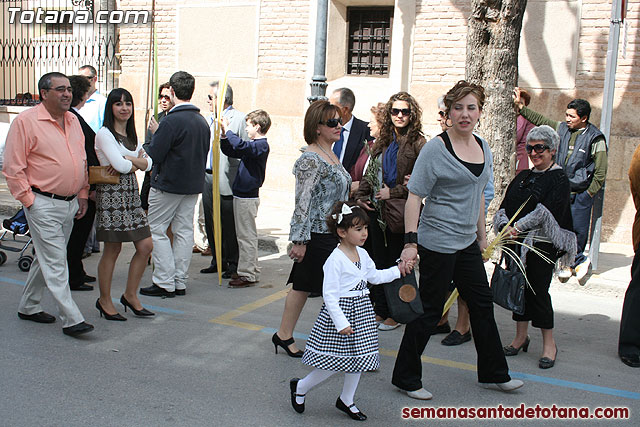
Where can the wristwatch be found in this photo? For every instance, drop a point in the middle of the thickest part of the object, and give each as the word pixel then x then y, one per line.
pixel 300 242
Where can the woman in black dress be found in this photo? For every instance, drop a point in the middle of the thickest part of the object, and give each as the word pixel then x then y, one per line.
pixel 547 215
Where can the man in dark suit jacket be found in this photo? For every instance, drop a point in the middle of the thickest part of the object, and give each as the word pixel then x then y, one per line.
pixel 354 131
pixel 81 227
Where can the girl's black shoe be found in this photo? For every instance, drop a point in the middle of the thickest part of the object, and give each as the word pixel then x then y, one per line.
pixel 293 385
pixel 108 316
pixel 275 339
pixel 143 313
pixel 358 416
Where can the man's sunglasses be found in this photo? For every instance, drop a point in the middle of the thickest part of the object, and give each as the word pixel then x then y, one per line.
pixel 442 113
pixel 331 123
pixel 211 98
pixel 165 97
pixel 404 111
pixel 538 148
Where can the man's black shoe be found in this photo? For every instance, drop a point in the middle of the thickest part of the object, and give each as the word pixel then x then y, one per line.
pixel 211 269
pixel 81 287
pixel 456 338
pixel 89 279
pixel 79 329
pixel 181 292
pixel 156 291
pixel 632 360
pixel 41 317
pixel 229 275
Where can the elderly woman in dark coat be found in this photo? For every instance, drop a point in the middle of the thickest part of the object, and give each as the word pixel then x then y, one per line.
pixel 544 222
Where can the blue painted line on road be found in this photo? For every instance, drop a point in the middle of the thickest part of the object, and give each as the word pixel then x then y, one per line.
pixel 12 281
pixel 530 377
pixel 576 385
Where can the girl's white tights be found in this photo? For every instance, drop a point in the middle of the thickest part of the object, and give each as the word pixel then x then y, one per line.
pixel 317 376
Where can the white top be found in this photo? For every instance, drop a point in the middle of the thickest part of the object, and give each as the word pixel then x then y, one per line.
pixel 111 152
pixel 341 275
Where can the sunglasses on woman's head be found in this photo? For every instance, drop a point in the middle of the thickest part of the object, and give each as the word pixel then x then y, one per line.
pixel 404 111
pixel 538 148
pixel 331 123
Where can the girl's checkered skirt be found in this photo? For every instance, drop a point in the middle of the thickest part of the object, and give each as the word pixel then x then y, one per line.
pixel 358 352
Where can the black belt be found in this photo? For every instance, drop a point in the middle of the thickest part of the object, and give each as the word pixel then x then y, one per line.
pixel 209 171
pixel 51 195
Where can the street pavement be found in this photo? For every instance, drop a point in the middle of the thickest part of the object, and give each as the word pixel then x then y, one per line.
pixel 207 358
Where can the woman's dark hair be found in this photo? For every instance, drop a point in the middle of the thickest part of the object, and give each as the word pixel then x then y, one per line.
pixel 80 85
pixel 318 111
pixel 462 89
pixel 387 128
pixel 358 216
pixel 116 95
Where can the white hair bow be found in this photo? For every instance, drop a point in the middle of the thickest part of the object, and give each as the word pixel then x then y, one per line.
pixel 346 210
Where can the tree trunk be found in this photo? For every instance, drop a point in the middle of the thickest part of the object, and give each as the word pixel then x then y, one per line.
pixel 492 61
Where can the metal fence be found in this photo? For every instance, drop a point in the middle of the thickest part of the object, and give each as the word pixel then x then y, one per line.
pixel 38 37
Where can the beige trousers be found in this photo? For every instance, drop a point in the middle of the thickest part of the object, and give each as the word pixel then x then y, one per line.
pixel 245 212
pixel 50 224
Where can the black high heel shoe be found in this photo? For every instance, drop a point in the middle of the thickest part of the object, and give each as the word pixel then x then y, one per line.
pixel 144 312
pixel 512 351
pixel 293 385
pixel 275 339
pixel 546 363
pixel 358 416
pixel 108 316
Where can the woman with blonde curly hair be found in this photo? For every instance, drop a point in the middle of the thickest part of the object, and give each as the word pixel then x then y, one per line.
pixel 395 152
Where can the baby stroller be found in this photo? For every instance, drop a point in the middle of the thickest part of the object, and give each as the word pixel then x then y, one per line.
pixel 17 225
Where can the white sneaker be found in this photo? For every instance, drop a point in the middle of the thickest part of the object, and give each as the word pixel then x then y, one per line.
pixel 420 394
pixel 582 270
pixel 385 327
pixel 508 386
pixel 564 275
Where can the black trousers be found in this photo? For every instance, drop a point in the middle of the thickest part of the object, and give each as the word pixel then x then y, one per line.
pixel 77 240
pixel 230 252
pixel 466 269
pixel 384 257
pixel 629 341
pixel 537 307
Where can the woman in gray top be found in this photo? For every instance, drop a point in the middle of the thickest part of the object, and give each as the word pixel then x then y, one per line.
pixel 321 181
pixel 451 173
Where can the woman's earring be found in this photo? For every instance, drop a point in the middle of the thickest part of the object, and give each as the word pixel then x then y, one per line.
pixel 446 122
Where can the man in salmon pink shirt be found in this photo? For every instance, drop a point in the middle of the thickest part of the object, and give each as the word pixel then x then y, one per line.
pixel 45 168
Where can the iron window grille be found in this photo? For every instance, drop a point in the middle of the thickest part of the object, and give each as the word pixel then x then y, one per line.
pixel 369 40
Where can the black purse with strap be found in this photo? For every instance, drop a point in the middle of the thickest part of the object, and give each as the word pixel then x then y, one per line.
pixel 403 299
pixel 508 286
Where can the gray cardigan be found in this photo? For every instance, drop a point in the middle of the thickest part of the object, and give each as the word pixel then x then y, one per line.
pixel 448 222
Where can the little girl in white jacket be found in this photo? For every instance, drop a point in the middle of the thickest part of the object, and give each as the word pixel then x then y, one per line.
pixel 344 337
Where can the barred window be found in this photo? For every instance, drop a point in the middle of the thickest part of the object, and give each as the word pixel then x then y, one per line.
pixel 369 40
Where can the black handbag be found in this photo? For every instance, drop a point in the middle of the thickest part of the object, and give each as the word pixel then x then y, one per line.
pixel 507 286
pixel 403 299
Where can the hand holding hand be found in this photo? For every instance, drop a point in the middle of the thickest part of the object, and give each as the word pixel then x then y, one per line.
pixel 408 259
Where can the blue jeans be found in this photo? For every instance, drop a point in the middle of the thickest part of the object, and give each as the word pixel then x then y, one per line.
pixel 581 204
